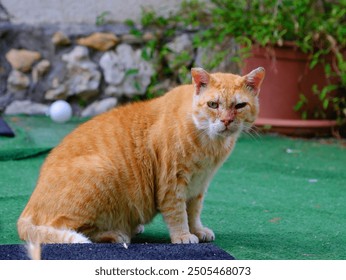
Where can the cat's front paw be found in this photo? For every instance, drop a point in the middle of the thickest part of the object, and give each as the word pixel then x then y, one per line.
pixel 184 238
pixel 204 234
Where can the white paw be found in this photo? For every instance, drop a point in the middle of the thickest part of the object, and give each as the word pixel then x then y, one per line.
pixel 139 229
pixel 204 234
pixel 77 237
pixel 184 238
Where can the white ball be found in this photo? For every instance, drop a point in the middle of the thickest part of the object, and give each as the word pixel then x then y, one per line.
pixel 60 111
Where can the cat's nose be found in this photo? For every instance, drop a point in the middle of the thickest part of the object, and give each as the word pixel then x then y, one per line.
pixel 227 117
pixel 227 121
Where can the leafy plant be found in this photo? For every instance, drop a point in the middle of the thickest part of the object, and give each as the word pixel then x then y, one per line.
pixel 190 16
pixel 101 19
pixel 316 27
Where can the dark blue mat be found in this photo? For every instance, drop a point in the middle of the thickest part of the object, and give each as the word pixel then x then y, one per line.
pixel 103 251
pixel 5 130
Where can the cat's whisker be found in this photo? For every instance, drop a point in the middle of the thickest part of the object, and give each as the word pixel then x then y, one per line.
pixel 204 136
pixel 203 133
pixel 251 131
pixel 254 130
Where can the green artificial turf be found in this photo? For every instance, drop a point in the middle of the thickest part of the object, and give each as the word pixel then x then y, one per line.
pixel 274 198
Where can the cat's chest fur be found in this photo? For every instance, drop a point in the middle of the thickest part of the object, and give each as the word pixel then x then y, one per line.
pixel 208 165
pixel 199 182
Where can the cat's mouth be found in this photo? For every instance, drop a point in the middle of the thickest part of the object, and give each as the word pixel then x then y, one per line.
pixel 222 130
pixel 230 129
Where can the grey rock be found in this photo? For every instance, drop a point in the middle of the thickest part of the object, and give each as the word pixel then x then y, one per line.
pixel 40 69
pixel 99 107
pixel 17 81
pixel 26 107
pixel 84 80
pixel 131 39
pixel 17 85
pixel 79 53
pixel 205 56
pixel 83 76
pixel 60 92
pixel 181 52
pixel 5 100
pixel 39 38
pixel 55 76
pixel 113 68
pixel 181 43
pixel 126 71
pixel 112 91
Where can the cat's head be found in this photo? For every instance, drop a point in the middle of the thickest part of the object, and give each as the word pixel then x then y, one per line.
pixel 225 104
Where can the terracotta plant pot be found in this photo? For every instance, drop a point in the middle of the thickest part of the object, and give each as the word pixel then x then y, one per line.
pixel 287 76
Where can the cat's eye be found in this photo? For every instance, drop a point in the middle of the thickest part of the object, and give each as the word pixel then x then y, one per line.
pixel 240 105
pixel 213 105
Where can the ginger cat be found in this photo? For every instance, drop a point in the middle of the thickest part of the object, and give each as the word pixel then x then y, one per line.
pixel 115 172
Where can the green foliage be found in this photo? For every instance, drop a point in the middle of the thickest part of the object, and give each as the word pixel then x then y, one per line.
pixel 316 27
pixel 191 16
pixel 101 19
pixel 132 71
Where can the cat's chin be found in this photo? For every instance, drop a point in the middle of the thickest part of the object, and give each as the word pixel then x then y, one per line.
pixel 228 132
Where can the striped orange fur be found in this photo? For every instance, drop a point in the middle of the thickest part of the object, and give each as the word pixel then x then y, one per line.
pixel 115 172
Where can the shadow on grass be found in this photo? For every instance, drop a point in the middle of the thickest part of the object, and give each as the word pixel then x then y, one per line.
pixel 148 237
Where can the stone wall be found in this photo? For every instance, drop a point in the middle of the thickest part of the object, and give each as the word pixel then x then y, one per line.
pixel 93 67
pixel 81 11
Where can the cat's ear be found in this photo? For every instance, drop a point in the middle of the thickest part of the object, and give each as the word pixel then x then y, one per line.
pixel 200 79
pixel 254 79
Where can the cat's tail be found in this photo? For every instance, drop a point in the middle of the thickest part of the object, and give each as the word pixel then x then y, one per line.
pixel 38 234
pixel 34 251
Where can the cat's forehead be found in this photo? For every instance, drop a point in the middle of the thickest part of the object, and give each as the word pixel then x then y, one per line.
pixel 227 83
pixel 228 87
